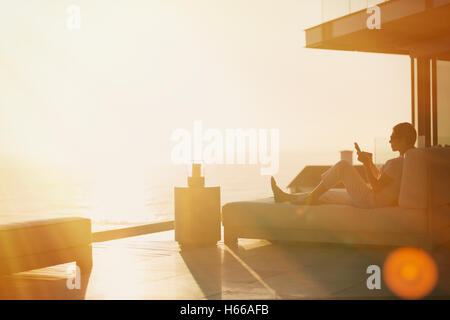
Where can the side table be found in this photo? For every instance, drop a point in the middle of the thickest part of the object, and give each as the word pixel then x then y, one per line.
pixel 197 215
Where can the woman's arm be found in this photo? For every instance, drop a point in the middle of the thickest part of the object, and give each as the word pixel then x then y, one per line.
pixel 374 169
pixel 377 183
pixel 376 180
pixel 373 180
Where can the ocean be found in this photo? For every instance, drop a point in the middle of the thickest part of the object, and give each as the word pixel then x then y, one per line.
pixel 121 196
pixel 116 197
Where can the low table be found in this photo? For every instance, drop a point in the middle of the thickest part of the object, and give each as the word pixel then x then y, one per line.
pixel 197 215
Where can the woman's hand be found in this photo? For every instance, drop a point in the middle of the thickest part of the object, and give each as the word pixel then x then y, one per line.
pixel 365 157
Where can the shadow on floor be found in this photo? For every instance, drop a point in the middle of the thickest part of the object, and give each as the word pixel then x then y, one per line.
pixel 256 269
pixel 323 271
pixel 205 265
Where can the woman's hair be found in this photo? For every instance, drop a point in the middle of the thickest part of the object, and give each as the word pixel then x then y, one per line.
pixel 407 132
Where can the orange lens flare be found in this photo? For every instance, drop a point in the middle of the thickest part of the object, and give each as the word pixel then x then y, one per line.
pixel 410 273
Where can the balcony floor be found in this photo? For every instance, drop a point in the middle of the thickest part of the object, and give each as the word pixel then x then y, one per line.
pixel 153 267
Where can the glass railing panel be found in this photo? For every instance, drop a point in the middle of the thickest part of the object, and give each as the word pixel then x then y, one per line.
pixel 357 5
pixel 383 151
pixel 333 9
pixel 443 102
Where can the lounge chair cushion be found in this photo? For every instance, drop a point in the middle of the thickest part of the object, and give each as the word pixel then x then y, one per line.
pixel 423 166
pixel 265 213
pixel 22 235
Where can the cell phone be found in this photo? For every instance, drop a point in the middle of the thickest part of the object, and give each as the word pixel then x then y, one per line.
pixel 357 147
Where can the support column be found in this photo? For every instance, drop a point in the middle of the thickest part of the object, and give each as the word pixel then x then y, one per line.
pixel 413 92
pixel 434 105
pixel 424 100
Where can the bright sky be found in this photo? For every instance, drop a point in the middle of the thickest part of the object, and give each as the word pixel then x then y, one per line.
pixel 137 70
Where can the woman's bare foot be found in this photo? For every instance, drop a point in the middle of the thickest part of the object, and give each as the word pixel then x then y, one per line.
pixel 278 194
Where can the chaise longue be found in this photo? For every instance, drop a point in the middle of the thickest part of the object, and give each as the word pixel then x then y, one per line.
pixel 422 217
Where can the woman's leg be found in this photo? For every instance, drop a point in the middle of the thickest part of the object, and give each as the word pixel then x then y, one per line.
pixel 279 195
pixel 305 197
pixel 360 193
pixel 340 196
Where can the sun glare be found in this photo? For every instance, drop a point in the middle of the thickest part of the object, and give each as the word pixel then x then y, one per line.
pixel 410 273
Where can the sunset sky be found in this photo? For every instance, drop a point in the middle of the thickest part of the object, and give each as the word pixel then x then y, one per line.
pixel 137 70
